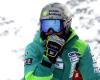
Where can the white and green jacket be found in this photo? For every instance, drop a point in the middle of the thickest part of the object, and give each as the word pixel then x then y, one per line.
pixel 34 54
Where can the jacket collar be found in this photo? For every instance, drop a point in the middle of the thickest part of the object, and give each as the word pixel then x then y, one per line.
pixel 72 35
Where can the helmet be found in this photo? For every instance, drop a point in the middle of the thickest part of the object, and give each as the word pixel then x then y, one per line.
pixel 56 11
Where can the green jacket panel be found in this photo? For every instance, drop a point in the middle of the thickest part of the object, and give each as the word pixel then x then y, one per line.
pixel 86 65
pixel 35 51
pixel 34 70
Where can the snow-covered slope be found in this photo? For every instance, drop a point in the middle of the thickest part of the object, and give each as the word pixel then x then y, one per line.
pixel 86 21
pixel 19 23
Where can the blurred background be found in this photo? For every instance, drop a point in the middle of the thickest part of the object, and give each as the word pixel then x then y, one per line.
pixel 19 21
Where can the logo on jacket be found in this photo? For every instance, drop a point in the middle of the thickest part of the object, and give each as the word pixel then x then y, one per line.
pixel 59 63
pixel 73 56
pixel 74 59
pixel 28 61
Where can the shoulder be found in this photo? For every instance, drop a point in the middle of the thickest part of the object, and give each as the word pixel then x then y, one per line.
pixel 33 50
pixel 81 45
pixel 29 49
pixel 36 41
pixel 37 37
pixel 30 46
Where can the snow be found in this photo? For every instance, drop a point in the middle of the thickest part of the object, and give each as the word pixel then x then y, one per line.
pixel 19 21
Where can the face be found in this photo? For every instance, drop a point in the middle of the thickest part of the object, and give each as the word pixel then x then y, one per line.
pixel 50 32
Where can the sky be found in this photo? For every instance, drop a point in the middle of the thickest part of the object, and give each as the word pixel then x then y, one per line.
pixel 19 21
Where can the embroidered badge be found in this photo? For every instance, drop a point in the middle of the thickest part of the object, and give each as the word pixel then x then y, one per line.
pixel 28 61
pixel 59 63
pixel 73 56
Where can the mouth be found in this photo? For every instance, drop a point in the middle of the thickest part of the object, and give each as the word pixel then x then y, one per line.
pixel 56 33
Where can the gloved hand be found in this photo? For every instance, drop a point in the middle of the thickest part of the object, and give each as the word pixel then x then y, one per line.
pixel 54 45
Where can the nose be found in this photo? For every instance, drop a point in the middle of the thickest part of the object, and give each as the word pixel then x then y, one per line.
pixel 50 32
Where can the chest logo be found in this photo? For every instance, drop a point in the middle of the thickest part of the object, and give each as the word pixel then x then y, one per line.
pixel 74 59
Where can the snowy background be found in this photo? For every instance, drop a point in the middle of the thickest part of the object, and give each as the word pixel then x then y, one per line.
pixel 19 21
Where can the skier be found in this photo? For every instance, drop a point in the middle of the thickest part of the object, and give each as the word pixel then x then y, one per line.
pixel 57 53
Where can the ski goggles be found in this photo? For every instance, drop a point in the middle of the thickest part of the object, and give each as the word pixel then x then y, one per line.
pixel 55 24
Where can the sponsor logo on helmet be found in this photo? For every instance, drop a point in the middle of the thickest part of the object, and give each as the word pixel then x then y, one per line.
pixel 51 12
pixel 54 12
pixel 45 13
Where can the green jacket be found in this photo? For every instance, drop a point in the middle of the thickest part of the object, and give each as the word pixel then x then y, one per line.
pixel 34 54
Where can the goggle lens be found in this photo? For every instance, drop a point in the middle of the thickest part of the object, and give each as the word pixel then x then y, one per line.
pixel 51 24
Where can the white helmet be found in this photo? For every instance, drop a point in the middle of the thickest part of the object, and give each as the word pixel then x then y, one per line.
pixel 57 11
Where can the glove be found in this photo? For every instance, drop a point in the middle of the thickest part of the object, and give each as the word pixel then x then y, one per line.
pixel 54 45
